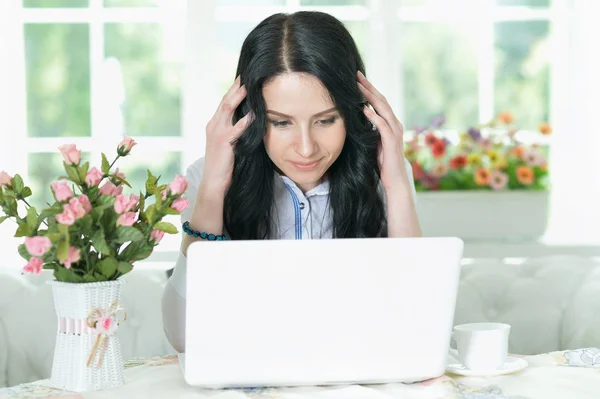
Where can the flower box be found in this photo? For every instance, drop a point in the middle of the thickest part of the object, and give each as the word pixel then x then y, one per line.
pixel 510 216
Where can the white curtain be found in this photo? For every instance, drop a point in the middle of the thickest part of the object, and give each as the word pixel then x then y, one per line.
pixel 575 161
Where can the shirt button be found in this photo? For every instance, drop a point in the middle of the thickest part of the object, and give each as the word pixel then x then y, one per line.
pixel 302 205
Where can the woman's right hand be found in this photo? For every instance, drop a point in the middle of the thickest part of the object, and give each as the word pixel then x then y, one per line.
pixel 220 136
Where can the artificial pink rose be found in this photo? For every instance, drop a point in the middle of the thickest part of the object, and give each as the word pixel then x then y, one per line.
pixel 5 179
pixel 127 219
pixel 106 324
pixel 73 256
pixel 93 177
pixel 77 208
pixel 157 235
pixel 85 201
pixel 109 188
pixel 164 194
pixel 124 203
pixel 119 174
pixel 34 266
pixel 62 191
pixel 179 185
pixel 125 146
pixel 70 154
pixel 133 200
pixel 67 217
pixel 121 203
pixel 180 204
pixel 38 246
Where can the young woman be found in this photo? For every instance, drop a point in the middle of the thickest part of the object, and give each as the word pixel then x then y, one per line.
pixel 295 152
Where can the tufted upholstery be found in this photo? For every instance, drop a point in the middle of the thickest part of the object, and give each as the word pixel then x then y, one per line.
pixel 552 304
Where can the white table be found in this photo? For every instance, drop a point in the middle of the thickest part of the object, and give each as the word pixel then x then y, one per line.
pixel 557 375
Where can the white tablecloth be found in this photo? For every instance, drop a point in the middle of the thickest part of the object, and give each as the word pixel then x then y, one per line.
pixel 569 374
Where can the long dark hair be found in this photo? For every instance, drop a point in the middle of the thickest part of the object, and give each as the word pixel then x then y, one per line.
pixel 318 44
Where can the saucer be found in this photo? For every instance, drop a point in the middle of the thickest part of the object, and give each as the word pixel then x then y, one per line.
pixel 511 365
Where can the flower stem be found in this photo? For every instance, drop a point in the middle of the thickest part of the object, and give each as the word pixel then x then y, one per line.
pixel 29 205
pixel 113 162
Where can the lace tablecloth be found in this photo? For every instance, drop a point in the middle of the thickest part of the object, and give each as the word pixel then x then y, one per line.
pixel 571 374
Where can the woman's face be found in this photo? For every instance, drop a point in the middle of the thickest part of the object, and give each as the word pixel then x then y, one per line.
pixel 305 132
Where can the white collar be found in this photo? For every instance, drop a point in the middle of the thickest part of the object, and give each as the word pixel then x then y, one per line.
pixel 321 189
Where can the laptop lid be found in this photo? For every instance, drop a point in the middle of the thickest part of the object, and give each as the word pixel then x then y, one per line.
pixel 316 312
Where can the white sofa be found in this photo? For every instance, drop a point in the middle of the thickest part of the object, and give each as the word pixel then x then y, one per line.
pixel 552 304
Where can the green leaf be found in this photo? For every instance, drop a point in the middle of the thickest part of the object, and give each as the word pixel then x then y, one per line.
pixel 120 179
pixel 124 267
pixel 141 205
pixel 63 229
pixel 72 172
pixel 136 251
pixel 166 227
pixel 89 279
pixel 105 165
pixel 64 275
pixel 151 213
pixel 26 192
pixel 98 211
pixel 107 266
pixel 158 199
pixel 32 219
pixel 92 260
pixel 92 193
pixel 11 204
pixel 51 266
pixel 48 214
pixel 23 252
pixel 62 251
pixel 85 224
pixel 17 184
pixel 125 234
pixel 99 277
pixel 151 183
pixel 83 170
pixel 22 230
pixel 67 275
pixel 142 253
pixel 99 242
pixel 3 218
pixel 170 211
pixel 106 200
pixel 54 237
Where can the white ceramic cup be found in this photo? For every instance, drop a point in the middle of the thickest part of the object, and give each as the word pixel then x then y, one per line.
pixel 482 347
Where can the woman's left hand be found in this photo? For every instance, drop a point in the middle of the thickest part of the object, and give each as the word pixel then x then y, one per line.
pixel 391 151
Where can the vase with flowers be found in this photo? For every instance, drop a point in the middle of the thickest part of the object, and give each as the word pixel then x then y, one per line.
pixel 487 182
pixel 89 237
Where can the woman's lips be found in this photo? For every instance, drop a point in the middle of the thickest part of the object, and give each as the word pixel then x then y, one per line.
pixel 305 166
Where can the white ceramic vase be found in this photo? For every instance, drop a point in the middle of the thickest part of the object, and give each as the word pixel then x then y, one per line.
pixel 73 368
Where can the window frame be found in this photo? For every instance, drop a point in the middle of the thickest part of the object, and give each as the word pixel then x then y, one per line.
pixel 200 93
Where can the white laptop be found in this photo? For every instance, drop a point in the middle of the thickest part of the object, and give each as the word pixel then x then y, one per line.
pixel 319 312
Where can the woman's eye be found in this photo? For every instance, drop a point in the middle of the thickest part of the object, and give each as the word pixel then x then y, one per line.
pixel 279 123
pixel 328 121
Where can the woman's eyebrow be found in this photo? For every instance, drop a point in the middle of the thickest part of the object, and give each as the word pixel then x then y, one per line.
pixel 288 116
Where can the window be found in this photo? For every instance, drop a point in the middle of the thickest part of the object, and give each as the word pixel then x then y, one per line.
pixel 94 70
pixel 90 71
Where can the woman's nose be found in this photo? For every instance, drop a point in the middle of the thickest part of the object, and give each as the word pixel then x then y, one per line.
pixel 306 145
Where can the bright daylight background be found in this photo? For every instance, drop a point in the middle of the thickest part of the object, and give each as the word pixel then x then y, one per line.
pixel 90 71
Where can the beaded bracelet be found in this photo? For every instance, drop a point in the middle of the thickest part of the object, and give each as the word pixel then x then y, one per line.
pixel 204 235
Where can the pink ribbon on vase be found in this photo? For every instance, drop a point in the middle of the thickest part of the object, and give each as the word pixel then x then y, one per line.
pixel 104 323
